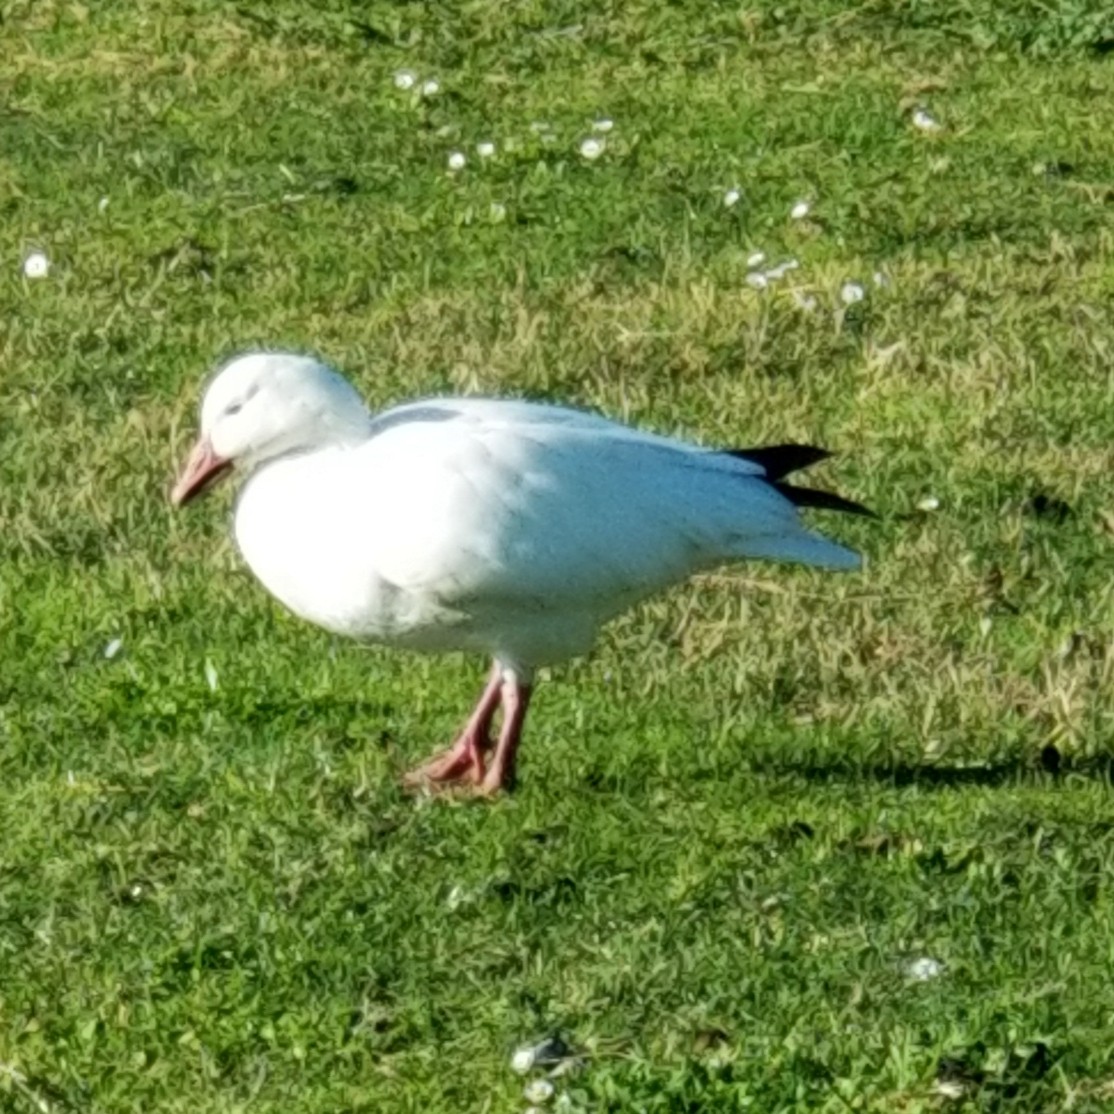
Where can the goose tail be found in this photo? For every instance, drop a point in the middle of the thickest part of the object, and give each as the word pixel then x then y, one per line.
pixel 799 544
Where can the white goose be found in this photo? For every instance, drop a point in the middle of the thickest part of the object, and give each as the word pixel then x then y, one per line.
pixel 512 528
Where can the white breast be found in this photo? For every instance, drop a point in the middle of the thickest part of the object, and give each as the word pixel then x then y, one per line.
pixel 303 532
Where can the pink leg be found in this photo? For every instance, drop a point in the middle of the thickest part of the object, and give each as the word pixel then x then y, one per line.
pixel 464 760
pixel 500 774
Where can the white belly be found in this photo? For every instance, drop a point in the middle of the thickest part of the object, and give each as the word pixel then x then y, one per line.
pixel 322 566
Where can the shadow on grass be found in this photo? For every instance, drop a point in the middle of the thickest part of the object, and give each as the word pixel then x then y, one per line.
pixel 1048 765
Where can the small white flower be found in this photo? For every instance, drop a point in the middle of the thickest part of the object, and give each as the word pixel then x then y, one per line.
pixel 925 121
pixel 458 895
pixel 757 279
pixel 603 125
pixel 591 147
pixel 806 301
pixel 949 1088
pixel 985 624
pixel 486 149
pixel 851 292
pixel 546 1053
pixel 924 969
pixel 928 503
pixel 457 160
pixel 36 265
pixel 523 1060
pixel 782 269
pixel 731 197
pixel 756 259
pixel 431 87
pixel 113 648
pixel 405 79
pixel 880 279
pixel 102 205
pixel 800 210
pixel 538 1091
pixel 210 675
pixel 498 212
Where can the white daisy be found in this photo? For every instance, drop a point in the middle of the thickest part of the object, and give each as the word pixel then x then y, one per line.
pixel 925 121
pixel 36 265
pixel 405 79
pixel 485 149
pixel 756 259
pixel 800 210
pixel 431 87
pixel 591 147
pixel 539 1091
pixel 731 197
pixel 603 125
pixel 457 160
pixel 523 1060
pixel 924 969
pixel 851 292
pixel 758 280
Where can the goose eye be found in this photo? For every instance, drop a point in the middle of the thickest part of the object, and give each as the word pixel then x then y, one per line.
pixel 233 408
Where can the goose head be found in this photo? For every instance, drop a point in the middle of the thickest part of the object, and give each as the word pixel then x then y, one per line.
pixel 265 405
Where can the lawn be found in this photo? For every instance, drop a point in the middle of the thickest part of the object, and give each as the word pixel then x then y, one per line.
pixel 787 841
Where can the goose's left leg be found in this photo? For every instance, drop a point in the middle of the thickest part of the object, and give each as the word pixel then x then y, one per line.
pixel 464 760
pixel 516 700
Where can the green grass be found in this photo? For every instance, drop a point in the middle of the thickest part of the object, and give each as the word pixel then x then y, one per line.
pixel 766 793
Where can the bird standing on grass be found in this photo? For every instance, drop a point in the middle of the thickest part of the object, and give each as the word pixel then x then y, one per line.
pixel 510 528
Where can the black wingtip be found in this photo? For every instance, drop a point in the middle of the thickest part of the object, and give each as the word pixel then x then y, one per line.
pixel 779 460
pixel 822 500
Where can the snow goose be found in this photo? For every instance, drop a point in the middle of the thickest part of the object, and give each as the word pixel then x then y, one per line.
pixel 512 528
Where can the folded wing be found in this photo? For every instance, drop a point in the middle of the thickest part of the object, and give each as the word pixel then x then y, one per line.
pixel 547 507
